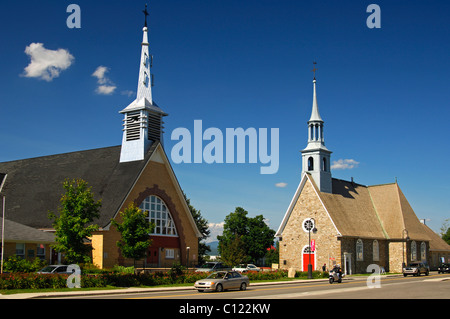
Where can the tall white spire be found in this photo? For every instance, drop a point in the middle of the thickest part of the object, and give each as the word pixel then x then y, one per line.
pixel 145 78
pixel 315 115
pixel 316 157
pixel 143 123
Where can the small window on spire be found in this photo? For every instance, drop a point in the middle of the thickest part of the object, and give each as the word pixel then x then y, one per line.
pixel 310 164
pixel 324 163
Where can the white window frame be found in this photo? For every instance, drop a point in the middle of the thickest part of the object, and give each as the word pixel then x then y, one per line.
pixel 40 255
pixel 308 222
pixel 159 214
pixel 423 251
pixel 376 250
pixel 413 251
pixel 359 250
pixel 170 253
pixel 21 255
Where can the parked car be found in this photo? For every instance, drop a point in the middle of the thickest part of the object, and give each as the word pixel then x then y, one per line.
pixel 222 280
pixel 54 269
pixel 443 268
pixel 246 267
pixel 213 266
pixel 416 268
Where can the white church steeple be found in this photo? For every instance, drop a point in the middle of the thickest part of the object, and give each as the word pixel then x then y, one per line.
pixel 143 123
pixel 316 157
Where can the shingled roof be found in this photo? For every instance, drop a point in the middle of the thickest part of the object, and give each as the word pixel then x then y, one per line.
pixel 34 186
pixel 378 212
pixel 15 232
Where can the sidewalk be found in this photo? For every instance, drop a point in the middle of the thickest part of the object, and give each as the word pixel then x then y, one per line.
pixel 105 293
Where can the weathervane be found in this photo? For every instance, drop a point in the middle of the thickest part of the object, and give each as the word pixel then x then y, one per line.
pixel 146 14
pixel 314 69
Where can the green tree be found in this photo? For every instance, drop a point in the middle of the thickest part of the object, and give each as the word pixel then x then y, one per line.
pixel 74 224
pixel 202 225
pixel 445 231
pixel 259 237
pixel 254 233
pixel 233 252
pixel 135 232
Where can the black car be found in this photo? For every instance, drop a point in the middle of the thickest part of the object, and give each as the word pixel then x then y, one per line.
pixel 443 268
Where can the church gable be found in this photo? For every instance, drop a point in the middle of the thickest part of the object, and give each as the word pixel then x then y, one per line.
pixel 158 179
pixel 306 203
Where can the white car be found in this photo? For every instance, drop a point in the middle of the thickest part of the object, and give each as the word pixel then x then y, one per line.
pixel 245 268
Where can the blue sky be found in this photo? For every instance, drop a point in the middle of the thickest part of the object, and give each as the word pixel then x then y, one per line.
pixel 383 93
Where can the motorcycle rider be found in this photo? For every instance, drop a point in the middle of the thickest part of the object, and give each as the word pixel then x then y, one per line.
pixel 337 270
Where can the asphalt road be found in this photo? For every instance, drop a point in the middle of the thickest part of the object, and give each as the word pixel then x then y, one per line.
pixel 424 287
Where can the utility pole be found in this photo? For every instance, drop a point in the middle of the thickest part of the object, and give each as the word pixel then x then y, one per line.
pixel 2 183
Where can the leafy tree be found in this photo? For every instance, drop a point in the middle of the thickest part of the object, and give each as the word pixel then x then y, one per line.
pixel 233 252
pixel 135 230
pixel 445 231
pixel 446 236
pixel 202 225
pixel 254 233
pixel 74 225
pixel 259 237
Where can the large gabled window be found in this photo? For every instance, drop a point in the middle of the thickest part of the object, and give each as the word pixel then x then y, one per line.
pixel 159 214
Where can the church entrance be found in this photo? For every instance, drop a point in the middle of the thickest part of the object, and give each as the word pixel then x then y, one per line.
pixel 308 258
pixel 153 257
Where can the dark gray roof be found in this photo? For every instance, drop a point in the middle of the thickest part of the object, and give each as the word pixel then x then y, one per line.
pixel 34 186
pixel 17 232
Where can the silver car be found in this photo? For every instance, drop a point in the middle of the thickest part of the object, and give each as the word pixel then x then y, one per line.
pixel 222 280
pixel 416 268
pixel 55 269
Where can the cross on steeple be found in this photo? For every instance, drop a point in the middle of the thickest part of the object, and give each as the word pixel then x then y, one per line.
pixel 314 69
pixel 146 14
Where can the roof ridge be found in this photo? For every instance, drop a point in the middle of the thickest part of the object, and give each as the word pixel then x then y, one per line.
pixel 378 216
pixel 59 154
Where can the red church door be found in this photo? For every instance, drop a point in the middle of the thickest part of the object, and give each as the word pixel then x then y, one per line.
pixel 306 258
pixel 153 257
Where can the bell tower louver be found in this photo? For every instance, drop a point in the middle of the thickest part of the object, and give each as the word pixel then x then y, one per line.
pixel 143 122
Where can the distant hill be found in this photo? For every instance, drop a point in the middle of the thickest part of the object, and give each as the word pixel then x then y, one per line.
pixel 214 248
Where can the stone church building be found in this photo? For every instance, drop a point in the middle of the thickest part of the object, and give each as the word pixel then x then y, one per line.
pixel 331 221
pixel 136 171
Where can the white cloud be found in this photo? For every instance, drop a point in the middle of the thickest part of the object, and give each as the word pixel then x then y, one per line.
pixel 106 87
pixel 46 64
pixel 128 93
pixel 215 229
pixel 344 164
pixel 281 185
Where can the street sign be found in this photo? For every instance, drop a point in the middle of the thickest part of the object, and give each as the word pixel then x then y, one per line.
pixel 313 245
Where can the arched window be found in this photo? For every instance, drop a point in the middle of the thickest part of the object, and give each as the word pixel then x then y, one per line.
pixel 413 250
pixel 423 251
pixel 159 214
pixel 359 250
pixel 376 250
pixel 310 164
pixel 324 164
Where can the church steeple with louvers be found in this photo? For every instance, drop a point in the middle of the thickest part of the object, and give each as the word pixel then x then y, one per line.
pixel 142 124
pixel 316 157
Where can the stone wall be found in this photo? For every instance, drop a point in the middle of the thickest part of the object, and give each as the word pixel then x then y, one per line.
pixel 294 238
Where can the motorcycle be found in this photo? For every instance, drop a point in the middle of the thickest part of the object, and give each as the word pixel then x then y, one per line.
pixel 334 276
